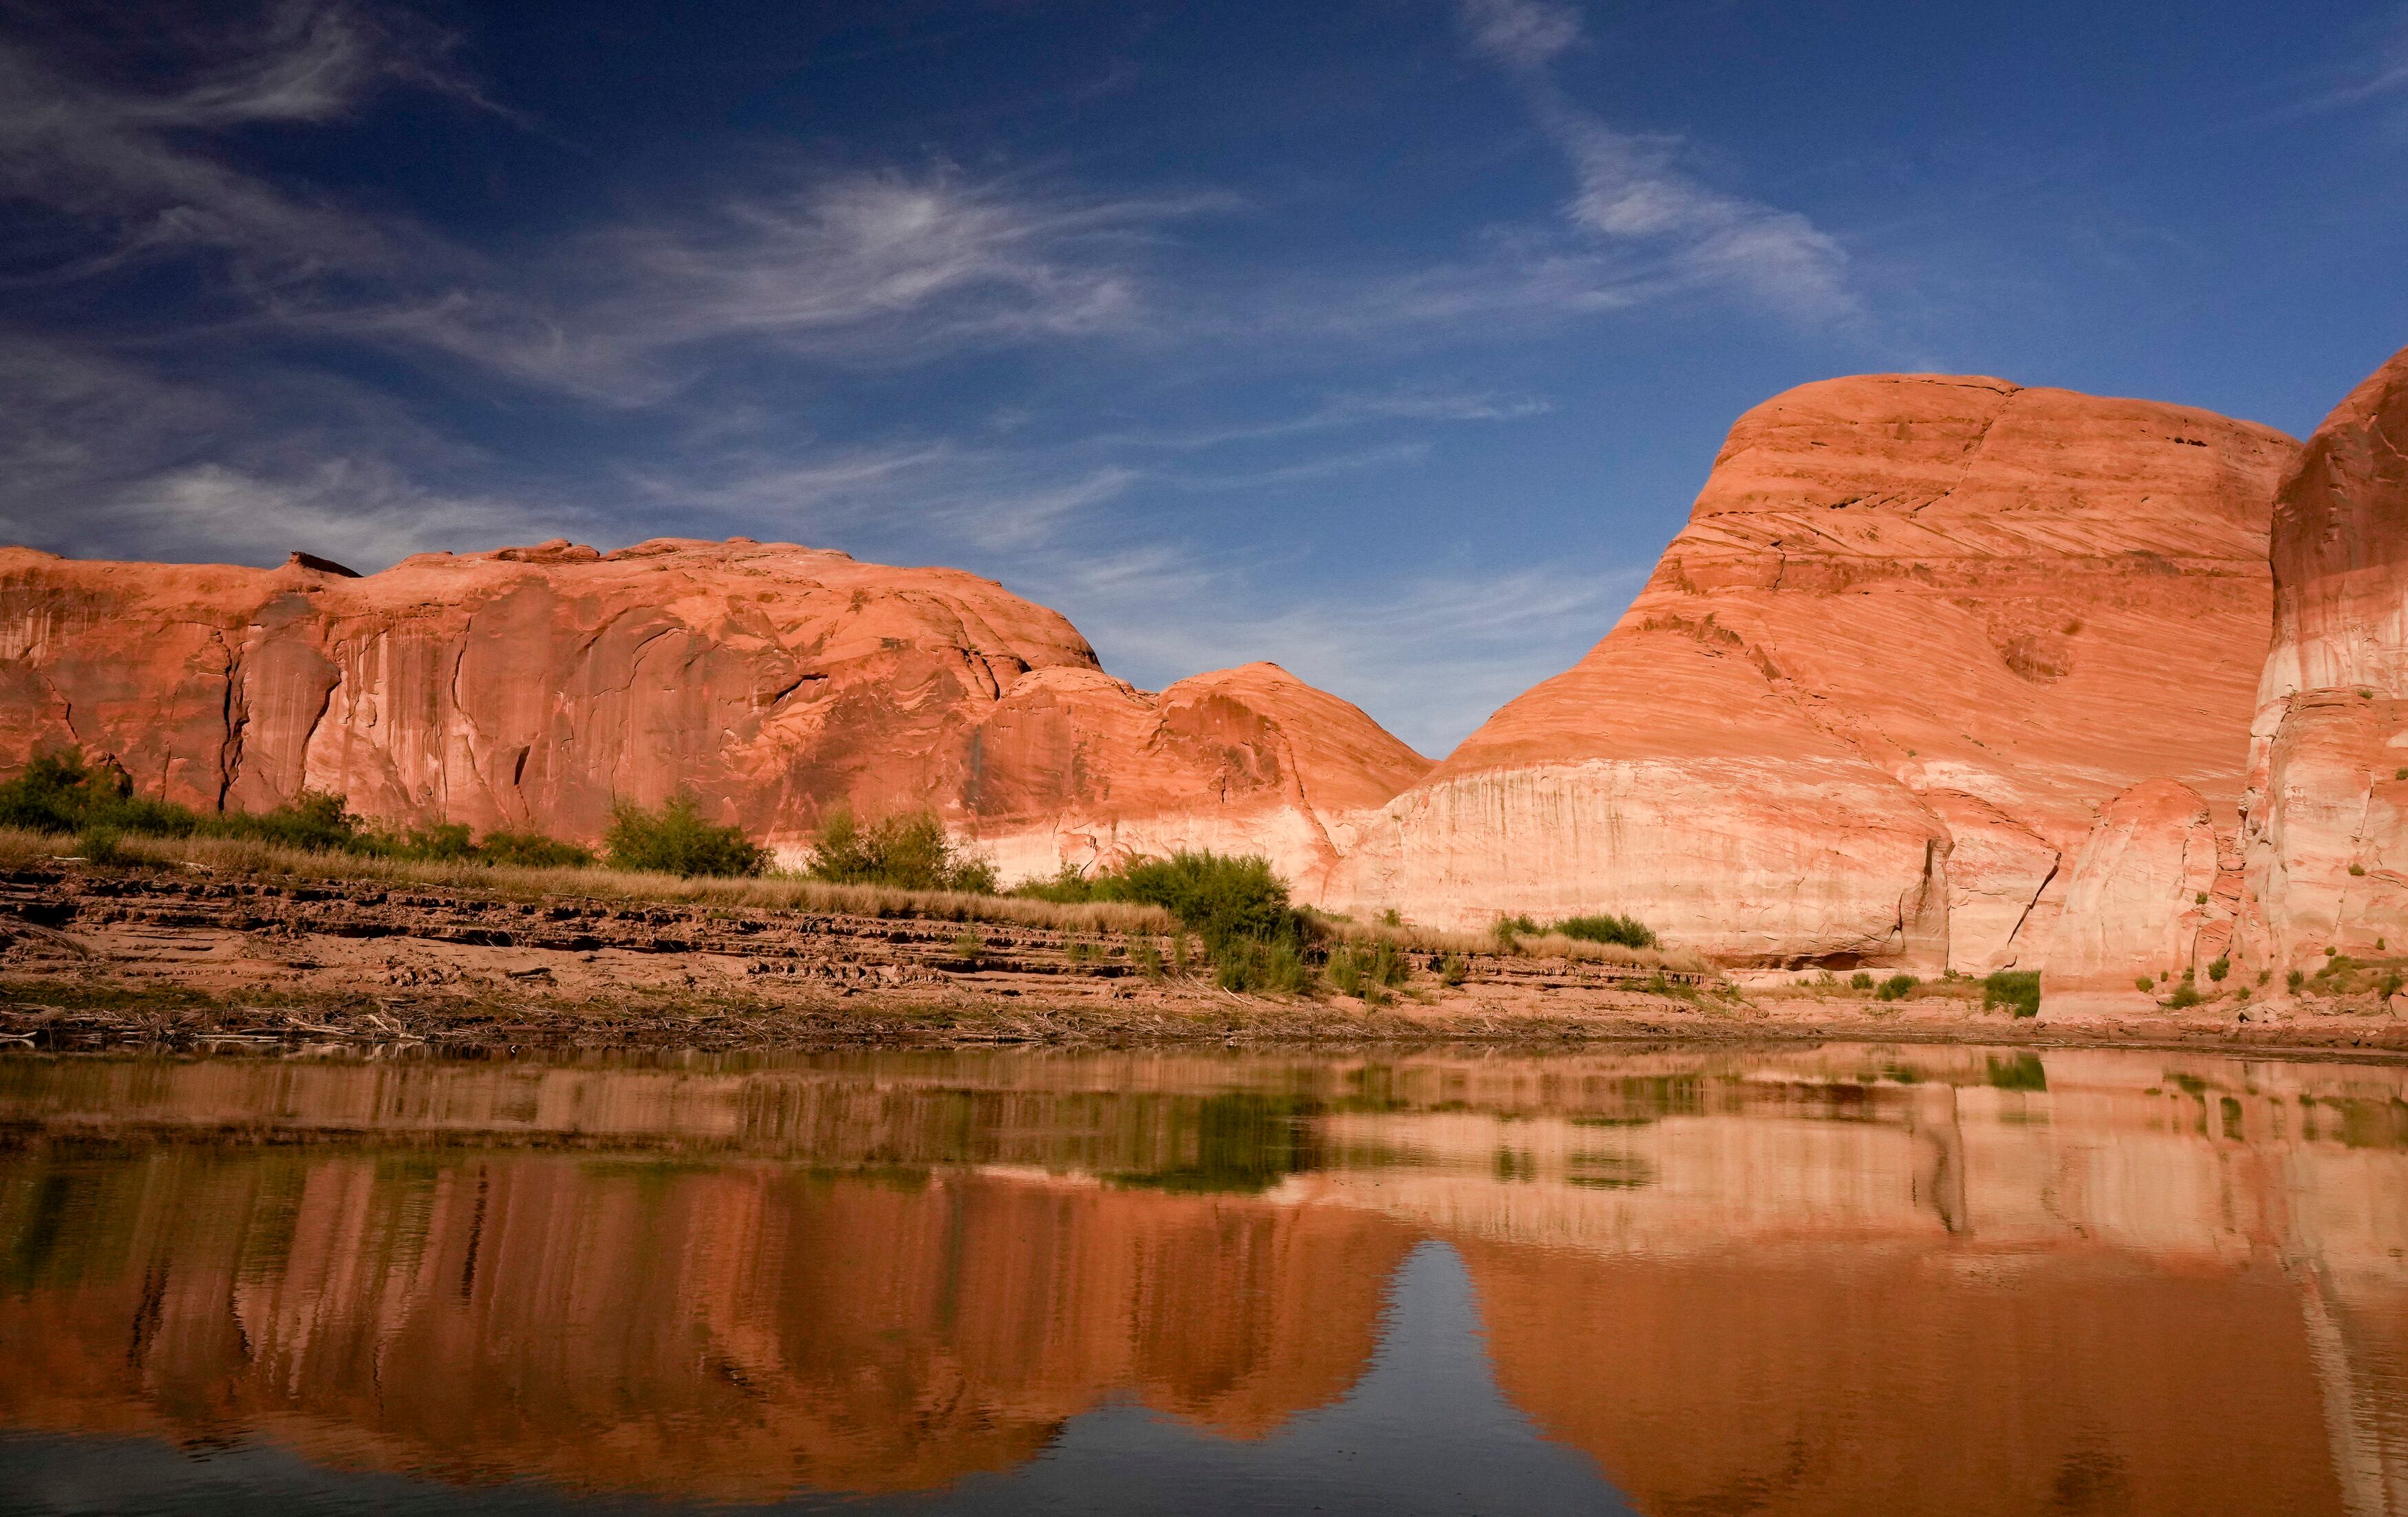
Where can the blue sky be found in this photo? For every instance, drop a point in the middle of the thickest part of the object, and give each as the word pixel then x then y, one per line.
pixel 1387 340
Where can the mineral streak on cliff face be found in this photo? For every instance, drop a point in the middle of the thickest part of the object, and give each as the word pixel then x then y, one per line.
pixel 530 687
pixel 1918 630
pixel 2326 829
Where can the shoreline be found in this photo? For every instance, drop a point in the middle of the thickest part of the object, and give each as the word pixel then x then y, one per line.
pixel 43 1016
pixel 188 959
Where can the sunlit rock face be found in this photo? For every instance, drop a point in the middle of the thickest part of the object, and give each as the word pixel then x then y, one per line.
pixel 530 687
pixel 2327 811
pixel 1918 630
pixel 2140 889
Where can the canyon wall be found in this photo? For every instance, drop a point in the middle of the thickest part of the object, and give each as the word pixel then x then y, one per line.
pixel 532 687
pixel 2326 814
pixel 1917 631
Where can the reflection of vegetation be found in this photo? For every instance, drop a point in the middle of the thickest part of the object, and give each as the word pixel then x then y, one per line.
pixel 2020 1072
pixel 1240 1141
pixel 1610 1171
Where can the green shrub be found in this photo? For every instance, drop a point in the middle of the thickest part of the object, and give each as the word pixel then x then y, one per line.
pixel 1861 979
pixel 312 822
pixel 1452 970
pixel 60 792
pixel 1897 987
pixel 1345 972
pixel 445 843
pixel 1223 900
pixel 2390 986
pixel 675 840
pixel 102 845
pixel 531 850
pixel 2185 995
pixel 1148 960
pixel 2144 984
pixel 1629 932
pixel 1390 917
pixel 1247 964
pixel 1068 887
pixel 2293 980
pixel 2017 990
pixel 2357 870
pixel 906 851
pixel 2218 969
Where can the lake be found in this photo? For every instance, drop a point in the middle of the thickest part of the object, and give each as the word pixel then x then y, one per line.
pixel 1673 1280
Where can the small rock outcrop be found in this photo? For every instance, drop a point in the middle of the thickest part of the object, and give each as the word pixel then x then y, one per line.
pixel 2325 813
pixel 1917 631
pixel 533 687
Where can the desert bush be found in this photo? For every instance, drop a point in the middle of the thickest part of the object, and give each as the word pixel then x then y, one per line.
pixel 906 851
pixel 2218 969
pixel 2145 983
pixel 2293 980
pixel 1148 959
pixel 970 943
pixel 1222 899
pixel 1861 979
pixel 675 840
pixel 2390 986
pixel 101 845
pixel 1897 987
pixel 1250 965
pixel 2017 990
pixel 1628 931
pixel 1452 970
pixel 2185 995
pixel 531 850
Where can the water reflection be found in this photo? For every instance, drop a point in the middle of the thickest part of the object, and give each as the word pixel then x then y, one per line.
pixel 1833 1280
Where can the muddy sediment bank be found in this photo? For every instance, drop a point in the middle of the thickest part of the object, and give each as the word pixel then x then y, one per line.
pixel 109 958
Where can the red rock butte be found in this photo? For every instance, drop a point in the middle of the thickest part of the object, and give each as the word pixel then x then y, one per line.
pixel 2326 832
pixel 1917 631
pixel 532 687
pixel 1941 672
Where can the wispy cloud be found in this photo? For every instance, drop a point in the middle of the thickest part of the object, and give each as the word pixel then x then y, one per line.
pixel 126 169
pixel 859 268
pixel 1651 227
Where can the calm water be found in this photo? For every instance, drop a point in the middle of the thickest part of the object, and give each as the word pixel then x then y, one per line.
pixel 1845 1280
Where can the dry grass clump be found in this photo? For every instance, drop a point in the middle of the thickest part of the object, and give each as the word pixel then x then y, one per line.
pixel 1547 945
pixel 773 893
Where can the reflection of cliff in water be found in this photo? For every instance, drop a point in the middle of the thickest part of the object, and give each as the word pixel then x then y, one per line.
pixel 1820 1282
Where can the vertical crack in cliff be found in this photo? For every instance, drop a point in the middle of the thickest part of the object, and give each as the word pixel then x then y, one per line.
pixel 2014 953
pixel 1965 458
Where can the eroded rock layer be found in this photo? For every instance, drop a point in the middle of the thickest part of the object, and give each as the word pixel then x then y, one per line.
pixel 1918 630
pixel 2326 830
pixel 530 687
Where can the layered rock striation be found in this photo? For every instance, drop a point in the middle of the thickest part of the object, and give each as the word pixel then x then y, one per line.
pixel 1917 631
pixel 533 687
pixel 2326 827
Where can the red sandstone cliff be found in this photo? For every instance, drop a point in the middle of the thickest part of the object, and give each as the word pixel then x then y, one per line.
pixel 1917 631
pixel 532 686
pixel 2326 827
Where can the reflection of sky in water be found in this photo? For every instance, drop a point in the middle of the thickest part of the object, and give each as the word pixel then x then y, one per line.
pixel 1425 1431
pixel 1811 1280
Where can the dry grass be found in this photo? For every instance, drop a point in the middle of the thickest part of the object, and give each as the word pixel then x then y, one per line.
pixel 1547 945
pixel 773 893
